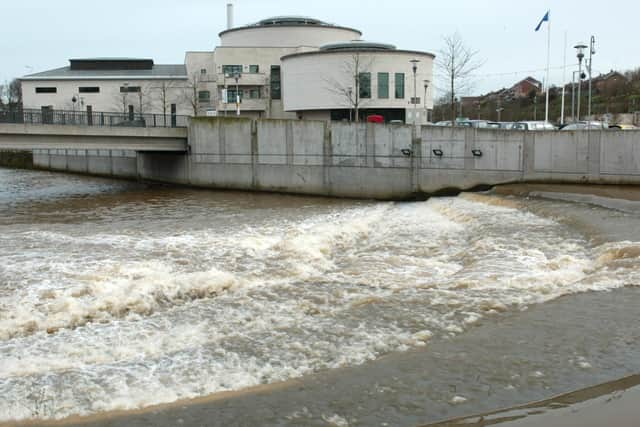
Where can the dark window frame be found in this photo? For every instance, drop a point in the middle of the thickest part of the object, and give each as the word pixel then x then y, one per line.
pixel 231 69
pixel 275 80
pixel 364 83
pixel 399 85
pixel 130 89
pixel 46 89
pixel 383 90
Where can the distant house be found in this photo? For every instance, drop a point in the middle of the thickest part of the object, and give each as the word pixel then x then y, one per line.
pixel 524 87
pixel 605 82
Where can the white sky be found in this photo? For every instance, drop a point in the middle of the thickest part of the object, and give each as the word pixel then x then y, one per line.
pixel 37 35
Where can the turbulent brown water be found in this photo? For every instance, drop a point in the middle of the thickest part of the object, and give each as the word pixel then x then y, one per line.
pixel 117 295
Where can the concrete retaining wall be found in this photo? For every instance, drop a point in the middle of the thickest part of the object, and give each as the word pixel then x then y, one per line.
pixel 365 160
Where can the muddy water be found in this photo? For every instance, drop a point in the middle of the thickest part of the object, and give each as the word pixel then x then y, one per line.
pixel 118 296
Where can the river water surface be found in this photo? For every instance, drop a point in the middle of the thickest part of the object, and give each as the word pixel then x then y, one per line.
pixel 118 295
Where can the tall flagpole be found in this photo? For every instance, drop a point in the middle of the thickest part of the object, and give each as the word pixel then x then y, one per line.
pixel 564 78
pixel 546 110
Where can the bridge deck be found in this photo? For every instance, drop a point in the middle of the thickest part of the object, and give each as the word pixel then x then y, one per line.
pixel 54 137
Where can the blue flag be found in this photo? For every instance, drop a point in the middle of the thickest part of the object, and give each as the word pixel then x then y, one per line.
pixel 544 18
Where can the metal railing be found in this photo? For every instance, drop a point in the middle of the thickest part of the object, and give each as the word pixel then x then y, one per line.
pixel 96 118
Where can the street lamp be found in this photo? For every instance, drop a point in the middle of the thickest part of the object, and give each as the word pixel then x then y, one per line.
pixel 580 47
pixel 592 51
pixel 414 67
pixel 236 76
pixel 573 97
pixel 426 86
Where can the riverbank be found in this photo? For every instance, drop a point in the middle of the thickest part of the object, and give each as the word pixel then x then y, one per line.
pixel 16 159
pixel 612 403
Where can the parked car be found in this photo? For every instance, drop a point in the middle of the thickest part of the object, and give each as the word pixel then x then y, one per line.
pixel 506 125
pixel 582 125
pixel 621 126
pixel 533 125
pixel 448 123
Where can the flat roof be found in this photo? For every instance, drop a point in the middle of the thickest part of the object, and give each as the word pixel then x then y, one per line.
pixel 288 21
pixel 355 50
pixel 158 71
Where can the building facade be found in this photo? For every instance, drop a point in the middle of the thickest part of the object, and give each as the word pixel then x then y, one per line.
pixel 281 67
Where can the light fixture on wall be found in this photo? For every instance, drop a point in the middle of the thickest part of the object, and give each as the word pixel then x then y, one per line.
pixel 406 152
pixel 437 152
pixel 476 153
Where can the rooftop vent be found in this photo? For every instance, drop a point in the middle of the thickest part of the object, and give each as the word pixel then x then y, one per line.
pixel 111 64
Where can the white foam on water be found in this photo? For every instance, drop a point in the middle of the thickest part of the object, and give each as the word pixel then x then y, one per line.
pixel 131 320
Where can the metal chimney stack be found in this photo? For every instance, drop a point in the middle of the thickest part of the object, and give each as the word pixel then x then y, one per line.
pixel 229 16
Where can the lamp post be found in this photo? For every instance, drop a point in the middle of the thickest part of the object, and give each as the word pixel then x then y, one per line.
pixel 592 51
pixel 573 97
pixel 414 67
pixel 580 49
pixel 236 76
pixel 426 111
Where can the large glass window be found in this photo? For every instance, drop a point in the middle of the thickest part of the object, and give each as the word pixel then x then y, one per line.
pixel 254 93
pixel 46 90
pixel 365 85
pixel 89 89
pixel 383 85
pixel 230 70
pixel 254 69
pixel 399 85
pixel 275 82
pixel 231 95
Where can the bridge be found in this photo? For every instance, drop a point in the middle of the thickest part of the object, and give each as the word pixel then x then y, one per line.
pixel 25 136
pixel 47 129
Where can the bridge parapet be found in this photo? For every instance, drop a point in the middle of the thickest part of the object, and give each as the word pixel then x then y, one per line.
pixel 26 136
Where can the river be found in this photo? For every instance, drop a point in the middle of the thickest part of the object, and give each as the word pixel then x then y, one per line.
pixel 117 295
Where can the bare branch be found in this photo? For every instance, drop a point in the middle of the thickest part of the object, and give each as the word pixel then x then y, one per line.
pixel 456 63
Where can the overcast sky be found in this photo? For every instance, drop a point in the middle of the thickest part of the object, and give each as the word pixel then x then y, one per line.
pixel 37 35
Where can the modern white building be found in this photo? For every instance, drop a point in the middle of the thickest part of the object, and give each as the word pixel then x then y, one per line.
pixel 281 67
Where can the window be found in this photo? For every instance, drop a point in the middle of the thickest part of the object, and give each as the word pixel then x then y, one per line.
pixel 399 85
pixel 204 96
pixel 230 70
pixel 90 89
pixel 365 85
pixel 254 93
pixel 203 71
pixel 254 69
pixel 231 95
pixel 46 90
pixel 130 89
pixel 383 85
pixel 275 82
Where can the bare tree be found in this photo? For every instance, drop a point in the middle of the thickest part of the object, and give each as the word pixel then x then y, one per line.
pixel 137 96
pixel 456 64
pixel 351 87
pixel 12 94
pixel 190 92
pixel 162 90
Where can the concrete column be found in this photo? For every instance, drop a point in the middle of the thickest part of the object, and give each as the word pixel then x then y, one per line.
pixel 528 155
pixel 222 140
pixel 288 135
pixel 469 144
pixel 370 145
pixel 254 154
pixel 327 157
pixel 595 150
pixel 416 160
